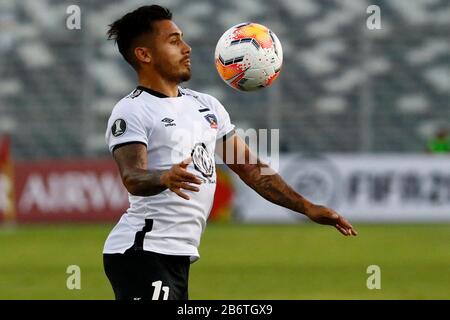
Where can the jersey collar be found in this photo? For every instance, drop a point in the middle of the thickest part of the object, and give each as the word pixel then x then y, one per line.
pixel 155 93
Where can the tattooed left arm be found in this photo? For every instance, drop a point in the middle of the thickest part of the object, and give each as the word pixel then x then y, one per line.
pixel 271 186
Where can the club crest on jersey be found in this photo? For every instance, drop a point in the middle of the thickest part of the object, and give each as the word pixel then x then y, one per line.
pixel 211 118
pixel 202 160
pixel 119 127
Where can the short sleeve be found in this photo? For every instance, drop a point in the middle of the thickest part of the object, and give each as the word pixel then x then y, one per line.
pixel 125 125
pixel 225 127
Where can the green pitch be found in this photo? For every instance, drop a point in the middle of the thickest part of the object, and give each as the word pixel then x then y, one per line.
pixel 244 262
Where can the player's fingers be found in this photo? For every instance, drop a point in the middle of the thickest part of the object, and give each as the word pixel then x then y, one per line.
pixel 344 224
pixel 185 162
pixel 181 194
pixel 183 185
pixel 341 230
pixel 188 177
pixel 351 231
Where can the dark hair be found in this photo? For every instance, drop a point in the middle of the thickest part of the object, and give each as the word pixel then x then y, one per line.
pixel 134 24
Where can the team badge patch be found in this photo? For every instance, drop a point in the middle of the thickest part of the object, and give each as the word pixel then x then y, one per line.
pixel 119 127
pixel 211 118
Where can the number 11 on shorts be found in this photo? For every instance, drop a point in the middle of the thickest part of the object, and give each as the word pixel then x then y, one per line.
pixel 157 291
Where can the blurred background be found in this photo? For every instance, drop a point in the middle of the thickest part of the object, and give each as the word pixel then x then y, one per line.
pixel 363 118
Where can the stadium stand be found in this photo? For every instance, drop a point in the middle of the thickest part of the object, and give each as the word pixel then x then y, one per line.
pixel 343 88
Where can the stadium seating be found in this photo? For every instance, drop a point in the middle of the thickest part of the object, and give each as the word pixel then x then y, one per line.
pixel 343 88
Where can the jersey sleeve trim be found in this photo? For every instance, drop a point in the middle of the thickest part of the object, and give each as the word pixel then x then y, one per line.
pixel 134 139
pixel 117 146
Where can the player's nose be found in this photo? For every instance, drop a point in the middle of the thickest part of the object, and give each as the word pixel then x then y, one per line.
pixel 186 48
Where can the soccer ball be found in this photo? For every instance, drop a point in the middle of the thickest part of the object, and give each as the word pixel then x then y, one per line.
pixel 248 56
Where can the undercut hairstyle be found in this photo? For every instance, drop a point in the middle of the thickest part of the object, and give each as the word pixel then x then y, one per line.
pixel 134 24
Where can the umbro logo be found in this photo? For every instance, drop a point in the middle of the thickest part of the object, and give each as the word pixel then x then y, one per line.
pixel 168 122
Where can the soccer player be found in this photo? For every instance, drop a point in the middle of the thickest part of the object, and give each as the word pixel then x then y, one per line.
pixel 163 138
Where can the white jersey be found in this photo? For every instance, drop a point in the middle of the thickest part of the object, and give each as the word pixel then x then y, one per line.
pixel 172 128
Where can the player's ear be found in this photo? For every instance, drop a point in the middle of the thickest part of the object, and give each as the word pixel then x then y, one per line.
pixel 143 54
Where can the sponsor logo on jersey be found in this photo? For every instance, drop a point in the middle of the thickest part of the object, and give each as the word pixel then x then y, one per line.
pixel 202 160
pixel 211 118
pixel 119 127
pixel 168 122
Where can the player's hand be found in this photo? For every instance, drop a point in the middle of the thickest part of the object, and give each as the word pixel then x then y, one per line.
pixel 178 178
pixel 324 215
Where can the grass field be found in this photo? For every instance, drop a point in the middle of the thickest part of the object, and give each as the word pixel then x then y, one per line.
pixel 244 262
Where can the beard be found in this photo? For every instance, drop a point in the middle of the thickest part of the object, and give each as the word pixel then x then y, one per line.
pixel 175 74
pixel 185 76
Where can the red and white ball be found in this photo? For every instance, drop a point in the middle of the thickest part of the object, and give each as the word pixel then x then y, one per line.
pixel 249 56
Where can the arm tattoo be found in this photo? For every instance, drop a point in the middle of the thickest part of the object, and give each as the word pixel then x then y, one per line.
pixel 145 183
pixel 132 162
